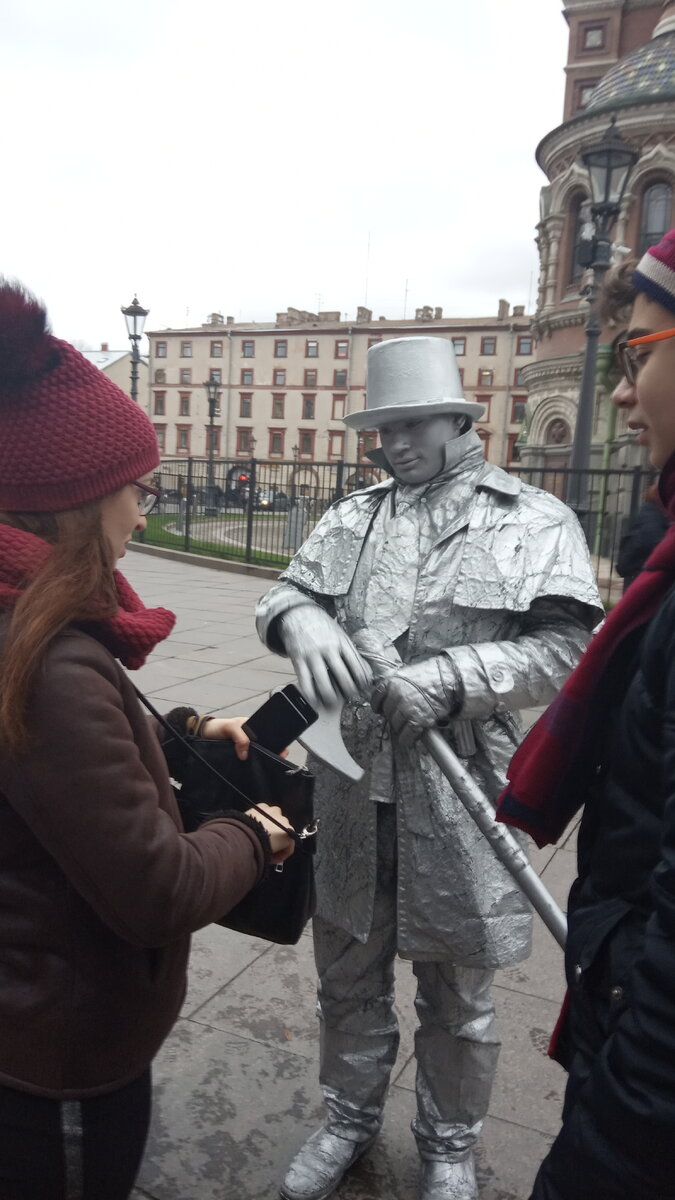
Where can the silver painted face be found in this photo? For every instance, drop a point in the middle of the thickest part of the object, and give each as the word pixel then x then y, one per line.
pixel 416 448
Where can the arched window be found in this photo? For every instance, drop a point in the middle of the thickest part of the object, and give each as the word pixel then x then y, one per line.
pixel 655 215
pixel 579 217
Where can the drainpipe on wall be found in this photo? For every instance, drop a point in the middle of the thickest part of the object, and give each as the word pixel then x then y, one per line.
pixel 149 383
pixel 507 400
pixel 228 410
pixel 348 406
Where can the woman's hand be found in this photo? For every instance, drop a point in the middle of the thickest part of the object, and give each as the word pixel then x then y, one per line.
pixel 228 727
pixel 282 845
pixel 231 727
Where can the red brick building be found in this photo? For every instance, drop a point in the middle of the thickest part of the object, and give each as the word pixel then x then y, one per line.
pixel 621 62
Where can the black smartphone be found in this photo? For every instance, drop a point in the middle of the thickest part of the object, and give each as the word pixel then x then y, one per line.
pixel 280 719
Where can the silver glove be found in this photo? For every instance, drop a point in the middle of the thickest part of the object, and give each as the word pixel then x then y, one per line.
pixel 328 667
pixel 417 697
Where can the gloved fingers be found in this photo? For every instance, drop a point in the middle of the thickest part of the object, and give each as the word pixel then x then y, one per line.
pixel 340 678
pixel 316 684
pixel 357 666
pixel 306 681
pixel 379 695
pixel 388 700
pixel 401 708
pixel 324 677
pixel 405 733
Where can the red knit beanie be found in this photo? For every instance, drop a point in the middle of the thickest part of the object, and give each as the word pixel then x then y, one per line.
pixel 68 435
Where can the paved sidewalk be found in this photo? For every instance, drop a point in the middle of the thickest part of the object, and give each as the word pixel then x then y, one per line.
pixel 236 1089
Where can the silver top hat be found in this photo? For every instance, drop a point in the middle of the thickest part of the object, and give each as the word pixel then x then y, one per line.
pixel 412 376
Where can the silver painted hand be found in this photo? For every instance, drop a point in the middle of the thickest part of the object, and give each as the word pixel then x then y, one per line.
pixel 328 667
pixel 416 698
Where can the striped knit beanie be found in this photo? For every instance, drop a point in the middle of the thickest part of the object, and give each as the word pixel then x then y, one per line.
pixel 655 272
pixel 68 435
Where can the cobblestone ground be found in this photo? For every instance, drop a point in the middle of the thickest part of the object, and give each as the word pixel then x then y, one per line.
pixel 236 1089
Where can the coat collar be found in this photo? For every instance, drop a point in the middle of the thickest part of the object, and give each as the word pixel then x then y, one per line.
pixel 490 477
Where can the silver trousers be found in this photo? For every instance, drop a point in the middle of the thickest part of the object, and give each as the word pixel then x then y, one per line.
pixel 456 1045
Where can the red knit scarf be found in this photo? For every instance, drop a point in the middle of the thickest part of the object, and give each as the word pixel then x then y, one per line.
pixel 548 773
pixel 130 634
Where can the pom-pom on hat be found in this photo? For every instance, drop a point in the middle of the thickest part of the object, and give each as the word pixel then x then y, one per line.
pixel 655 272
pixel 68 435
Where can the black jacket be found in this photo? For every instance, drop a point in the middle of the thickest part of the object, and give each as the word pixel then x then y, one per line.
pixel 644 534
pixel 618 1135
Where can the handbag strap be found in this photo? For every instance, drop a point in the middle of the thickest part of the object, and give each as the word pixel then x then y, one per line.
pixel 287 829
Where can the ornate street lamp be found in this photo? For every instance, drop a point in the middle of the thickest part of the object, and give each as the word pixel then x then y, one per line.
pixel 609 165
pixel 212 391
pixel 135 316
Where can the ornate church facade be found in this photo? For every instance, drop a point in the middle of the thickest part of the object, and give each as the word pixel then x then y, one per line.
pixel 621 64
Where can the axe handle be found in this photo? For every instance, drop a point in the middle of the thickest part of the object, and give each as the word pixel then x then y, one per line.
pixel 505 845
pixel 383 660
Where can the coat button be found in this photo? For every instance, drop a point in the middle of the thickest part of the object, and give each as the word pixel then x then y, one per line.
pixel 616 992
pixel 497 676
pixel 577 973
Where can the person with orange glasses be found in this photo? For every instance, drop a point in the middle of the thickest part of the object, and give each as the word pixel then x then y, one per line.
pixel 607 743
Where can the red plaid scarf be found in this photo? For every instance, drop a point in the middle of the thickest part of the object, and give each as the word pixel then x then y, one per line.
pixel 547 774
pixel 130 634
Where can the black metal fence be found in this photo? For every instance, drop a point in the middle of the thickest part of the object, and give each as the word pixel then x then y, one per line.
pixel 249 510
pixel 259 512
pixel 605 501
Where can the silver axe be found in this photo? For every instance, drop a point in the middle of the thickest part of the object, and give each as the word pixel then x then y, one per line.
pixel 324 739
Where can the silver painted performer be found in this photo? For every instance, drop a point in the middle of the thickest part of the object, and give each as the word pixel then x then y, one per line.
pixel 483 586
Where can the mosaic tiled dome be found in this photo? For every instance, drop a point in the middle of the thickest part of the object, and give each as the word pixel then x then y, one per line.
pixel 643 77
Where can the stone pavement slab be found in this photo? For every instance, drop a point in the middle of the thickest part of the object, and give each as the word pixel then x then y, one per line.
pixel 236 1087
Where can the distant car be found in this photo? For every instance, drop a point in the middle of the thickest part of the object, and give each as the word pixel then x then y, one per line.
pixel 231 498
pixel 268 500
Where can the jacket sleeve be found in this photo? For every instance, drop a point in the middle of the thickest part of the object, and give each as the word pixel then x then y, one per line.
pixel 618 1139
pixel 528 669
pixel 85 793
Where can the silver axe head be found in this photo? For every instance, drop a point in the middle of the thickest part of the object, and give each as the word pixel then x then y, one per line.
pixel 323 739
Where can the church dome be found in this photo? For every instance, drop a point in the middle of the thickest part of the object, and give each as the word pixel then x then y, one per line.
pixel 643 77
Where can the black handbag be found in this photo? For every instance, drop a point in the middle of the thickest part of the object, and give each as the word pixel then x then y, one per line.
pixel 213 780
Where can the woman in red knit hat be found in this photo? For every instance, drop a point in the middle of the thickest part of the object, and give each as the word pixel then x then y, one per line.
pixel 99 887
pixel 608 743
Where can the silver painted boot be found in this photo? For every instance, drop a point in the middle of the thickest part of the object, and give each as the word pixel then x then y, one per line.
pixel 449 1180
pixel 320 1165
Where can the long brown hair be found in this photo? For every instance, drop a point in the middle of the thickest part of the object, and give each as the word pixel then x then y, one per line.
pixel 75 583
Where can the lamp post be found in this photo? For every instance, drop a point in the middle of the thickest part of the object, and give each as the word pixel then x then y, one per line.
pixel 211 508
pixel 135 316
pixel 609 163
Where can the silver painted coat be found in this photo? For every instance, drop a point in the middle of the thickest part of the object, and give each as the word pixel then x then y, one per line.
pixel 504 588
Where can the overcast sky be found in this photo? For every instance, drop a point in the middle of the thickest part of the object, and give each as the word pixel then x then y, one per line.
pixel 242 157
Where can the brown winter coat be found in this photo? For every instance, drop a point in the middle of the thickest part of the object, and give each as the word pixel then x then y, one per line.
pixel 99 889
